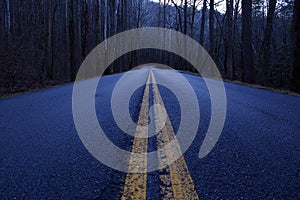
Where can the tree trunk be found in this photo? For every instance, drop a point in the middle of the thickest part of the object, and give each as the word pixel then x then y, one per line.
pixel 105 19
pixel 51 75
pixel 193 17
pixel 179 15
pixel 229 39
pixel 296 48
pixel 67 42
pixel 98 21
pixel 212 29
pixel 8 19
pixel 84 29
pixel 165 13
pixel 185 17
pixel 45 36
pixel 247 52
pixel 203 19
pixel 236 40
pixel 265 50
pixel 72 40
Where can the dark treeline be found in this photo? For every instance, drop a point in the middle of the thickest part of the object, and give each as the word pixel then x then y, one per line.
pixel 44 42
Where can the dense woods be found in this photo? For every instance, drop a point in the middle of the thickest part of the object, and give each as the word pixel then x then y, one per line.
pixel 44 42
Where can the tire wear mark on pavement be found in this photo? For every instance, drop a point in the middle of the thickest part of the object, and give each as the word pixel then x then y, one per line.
pixel 178 183
pixel 136 180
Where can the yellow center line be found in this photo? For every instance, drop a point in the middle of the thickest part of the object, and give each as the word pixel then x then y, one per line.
pixel 176 179
pixel 181 181
pixel 136 180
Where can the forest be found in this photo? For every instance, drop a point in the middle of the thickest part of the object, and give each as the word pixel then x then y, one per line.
pixel 44 42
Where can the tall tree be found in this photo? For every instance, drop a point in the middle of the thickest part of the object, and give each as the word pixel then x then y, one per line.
pixel 247 51
pixel 8 19
pixel 98 21
pixel 185 16
pixel 194 9
pixel 229 39
pixel 179 15
pixel 51 75
pixel 45 39
pixel 296 48
pixel 203 20
pixel 165 13
pixel 72 39
pixel 84 29
pixel 212 28
pixel 236 37
pixel 105 30
pixel 265 51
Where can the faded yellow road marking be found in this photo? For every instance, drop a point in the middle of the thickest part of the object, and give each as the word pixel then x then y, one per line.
pixel 181 181
pixel 176 179
pixel 136 182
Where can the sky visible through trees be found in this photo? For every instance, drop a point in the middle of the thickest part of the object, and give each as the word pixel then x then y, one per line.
pixel 221 5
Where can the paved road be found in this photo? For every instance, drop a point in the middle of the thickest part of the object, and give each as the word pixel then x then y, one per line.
pixel 256 157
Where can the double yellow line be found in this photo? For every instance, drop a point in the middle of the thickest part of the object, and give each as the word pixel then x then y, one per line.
pixel 177 182
pixel 136 181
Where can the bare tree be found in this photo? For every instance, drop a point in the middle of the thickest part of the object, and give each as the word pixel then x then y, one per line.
pixel 98 20
pixel 265 51
pixel 84 28
pixel 185 16
pixel 296 48
pixel 212 28
pixel 194 8
pixel 203 20
pixel 8 19
pixel 229 39
pixel 71 39
pixel 237 39
pixel 247 52
pixel 179 15
pixel 105 19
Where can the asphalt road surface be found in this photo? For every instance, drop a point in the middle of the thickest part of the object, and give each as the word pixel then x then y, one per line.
pixel 256 157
